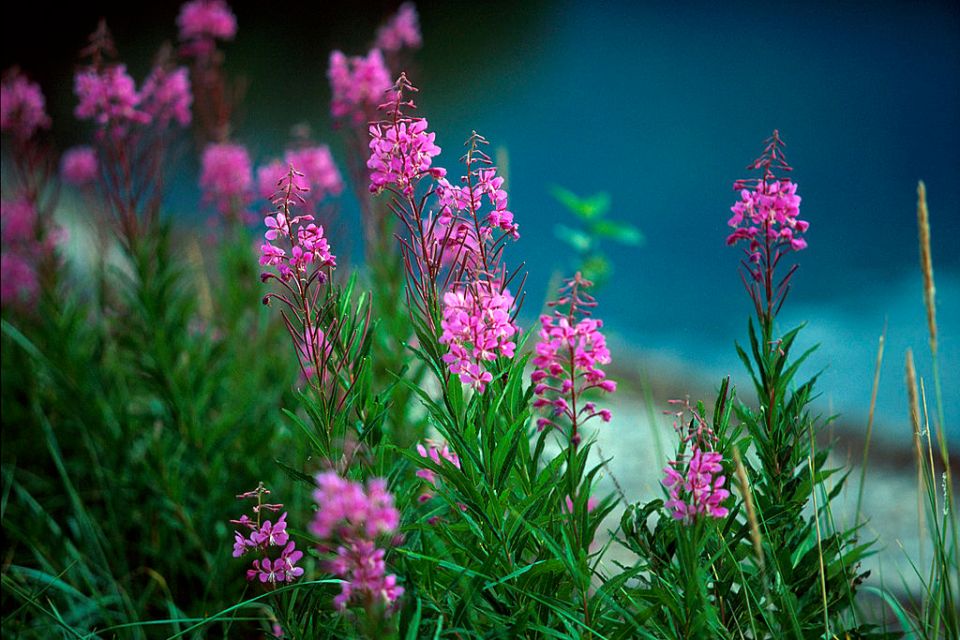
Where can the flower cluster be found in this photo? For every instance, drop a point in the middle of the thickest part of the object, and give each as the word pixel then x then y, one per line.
pixel 226 177
pixel 201 22
pixel 79 165
pixel 262 536
pixel 477 309
pixel 19 283
pixel 22 106
pixel 358 84
pixel 401 31
pixel 25 244
pixel 768 213
pixel 401 152
pixel 477 327
pixel 454 201
pixel 166 95
pixel 695 482
pixel 698 490
pixel 320 177
pixel 309 248
pixel 767 217
pixel 349 519
pixel 568 359
pixel 108 95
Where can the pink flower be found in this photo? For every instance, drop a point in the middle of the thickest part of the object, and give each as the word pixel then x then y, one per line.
pixel 166 95
pixel 696 490
pixel 18 222
pixel 309 250
pixel 22 106
pixel 263 537
pixel 400 154
pixel 355 516
pixel 108 96
pixel 226 179
pixel 401 30
pixel 477 327
pixel 362 566
pixel 358 85
pixel 455 201
pixel 591 504
pixel 435 453
pixel 321 173
pixel 769 212
pixel 206 20
pixel 568 358
pixel 269 534
pixel 19 283
pixel 79 165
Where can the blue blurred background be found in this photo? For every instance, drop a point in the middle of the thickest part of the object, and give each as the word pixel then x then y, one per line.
pixel 661 105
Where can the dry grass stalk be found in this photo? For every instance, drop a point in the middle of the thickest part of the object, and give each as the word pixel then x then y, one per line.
pixel 873 405
pixel 205 297
pixel 744 485
pixel 926 431
pixel 926 264
pixel 917 442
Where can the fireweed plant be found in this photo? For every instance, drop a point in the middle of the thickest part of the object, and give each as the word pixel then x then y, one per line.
pixel 357 86
pixel 437 458
pixel 125 393
pixel 769 561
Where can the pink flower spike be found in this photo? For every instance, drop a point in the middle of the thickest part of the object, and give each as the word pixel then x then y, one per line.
pixel 477 328
pixel 568 358
pixel 695 488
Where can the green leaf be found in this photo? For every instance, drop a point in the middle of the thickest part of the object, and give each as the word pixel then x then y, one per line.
pixel 580 241
pixel 622 232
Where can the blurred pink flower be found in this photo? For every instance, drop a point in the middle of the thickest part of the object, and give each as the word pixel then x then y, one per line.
pixel 402 30
pixel 18 279
pixel 359 85
pixel 22 106
pixel 352 517
pixel 166 95
pixel 226 179
pixel 206 19
pixel 108 96
pixel 79 165
pixel 319 169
